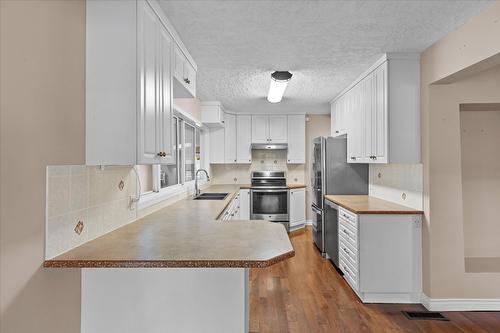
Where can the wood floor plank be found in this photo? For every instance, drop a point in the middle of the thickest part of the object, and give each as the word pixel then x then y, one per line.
pixel 307 294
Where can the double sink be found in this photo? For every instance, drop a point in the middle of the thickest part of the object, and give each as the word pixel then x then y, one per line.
pixel 211 196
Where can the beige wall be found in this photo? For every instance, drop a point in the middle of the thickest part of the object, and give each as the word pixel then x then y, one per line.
pixel 480 137
pixel 42 123
pixel 318 125
pixel 452 58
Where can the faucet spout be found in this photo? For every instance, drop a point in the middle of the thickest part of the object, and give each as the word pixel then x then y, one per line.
pixel 196 189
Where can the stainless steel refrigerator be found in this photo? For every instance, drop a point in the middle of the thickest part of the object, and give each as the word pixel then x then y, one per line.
pixel 331 174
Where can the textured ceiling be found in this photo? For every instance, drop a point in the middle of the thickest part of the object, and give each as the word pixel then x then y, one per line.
pixel 325 44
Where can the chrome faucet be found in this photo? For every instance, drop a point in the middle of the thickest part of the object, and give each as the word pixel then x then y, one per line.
pixel 196 189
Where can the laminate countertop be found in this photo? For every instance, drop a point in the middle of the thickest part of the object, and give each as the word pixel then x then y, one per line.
pixel 365 204
pixel 185 234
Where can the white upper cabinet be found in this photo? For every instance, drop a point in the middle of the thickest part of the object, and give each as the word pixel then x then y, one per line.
pixel 382 110
pixel 338 116
pixel 260 129
pixel 269 129
pixel 184 75
pixel 212 114
pixel 243 139
pixel 230 138
pixel 296 139
pixel 278 129
pixel 129 63
pixel 217 146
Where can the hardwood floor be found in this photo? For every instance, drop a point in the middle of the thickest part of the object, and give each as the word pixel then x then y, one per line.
pixel 306 294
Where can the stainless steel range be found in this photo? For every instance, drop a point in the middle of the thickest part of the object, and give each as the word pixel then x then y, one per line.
pixel 269 197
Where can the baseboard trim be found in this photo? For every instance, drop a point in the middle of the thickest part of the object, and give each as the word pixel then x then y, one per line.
pixel 309 222
pixel 460 304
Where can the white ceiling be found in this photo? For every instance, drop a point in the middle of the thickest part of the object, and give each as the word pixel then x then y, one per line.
pixel 325 44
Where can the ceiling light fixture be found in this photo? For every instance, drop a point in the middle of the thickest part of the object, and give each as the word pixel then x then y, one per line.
pixel 279 81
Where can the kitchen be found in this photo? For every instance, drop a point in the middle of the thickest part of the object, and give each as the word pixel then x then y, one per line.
pixel 228 189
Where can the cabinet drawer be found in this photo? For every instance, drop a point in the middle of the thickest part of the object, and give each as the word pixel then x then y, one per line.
pixel 349 216
pixel 350 274
pixel 349 252
pixel 346 231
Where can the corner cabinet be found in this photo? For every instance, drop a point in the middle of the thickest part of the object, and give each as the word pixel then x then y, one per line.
pixel 129 83
pixel 380 112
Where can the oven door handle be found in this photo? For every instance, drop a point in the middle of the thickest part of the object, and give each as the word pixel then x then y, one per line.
pixel 316 210
pixel 270 191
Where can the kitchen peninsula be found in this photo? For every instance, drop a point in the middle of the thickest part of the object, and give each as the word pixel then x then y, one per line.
pixel 184 262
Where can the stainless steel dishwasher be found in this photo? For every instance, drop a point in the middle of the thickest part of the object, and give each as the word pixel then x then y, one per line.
pixel 332 232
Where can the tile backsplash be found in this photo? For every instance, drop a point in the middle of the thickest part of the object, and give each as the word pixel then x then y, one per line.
pixel 261 160
pixel 399 183
pixel 97 197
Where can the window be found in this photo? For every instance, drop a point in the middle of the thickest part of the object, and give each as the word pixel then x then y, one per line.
pixel 180 168
pixel 169 173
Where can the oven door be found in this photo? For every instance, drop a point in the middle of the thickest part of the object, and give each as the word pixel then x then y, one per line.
pixel 269 204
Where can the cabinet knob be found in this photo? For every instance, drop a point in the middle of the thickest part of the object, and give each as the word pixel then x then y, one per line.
pixel 235 160
pixel 337 132
pixel 162 154
pixel 187 80
pixel 353 158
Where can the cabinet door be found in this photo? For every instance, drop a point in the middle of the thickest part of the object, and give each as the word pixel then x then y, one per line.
pixel 355 125
pixel 230 138
pixel 379 115
pixel 278 129
pixel 217 145
pixel 178 70
pixel 165 86
pixel 260 129
pixel 148 147
pixel 243 139
pixel 368 110
pixel 333 118
pixel 245 204
pixel 296 139
pixel 341 116
pixel 297 207
pixel 190 77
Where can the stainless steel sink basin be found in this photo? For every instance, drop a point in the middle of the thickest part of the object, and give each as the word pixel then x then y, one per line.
pixel 211 196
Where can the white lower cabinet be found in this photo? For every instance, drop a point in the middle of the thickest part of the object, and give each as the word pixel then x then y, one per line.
pixel 245 204
pixel 380 256
pixel 297 207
